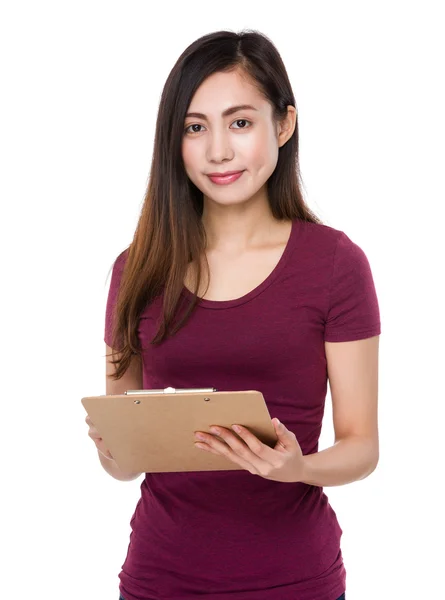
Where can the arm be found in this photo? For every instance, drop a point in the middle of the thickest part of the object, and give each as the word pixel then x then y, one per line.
pixel 348 460
pixel 131 380
pixel 353 381
pixel 112 469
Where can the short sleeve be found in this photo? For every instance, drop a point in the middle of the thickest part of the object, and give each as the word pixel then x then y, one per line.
pixel 112 296
pixel 353 308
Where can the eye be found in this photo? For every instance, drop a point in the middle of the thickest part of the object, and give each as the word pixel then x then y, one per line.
pixel 242 120
pixel 236 121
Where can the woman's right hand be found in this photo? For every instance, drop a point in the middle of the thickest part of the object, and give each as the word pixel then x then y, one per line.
pixel 94 435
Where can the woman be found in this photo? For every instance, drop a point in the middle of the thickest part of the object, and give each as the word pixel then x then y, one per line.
pixel 232 282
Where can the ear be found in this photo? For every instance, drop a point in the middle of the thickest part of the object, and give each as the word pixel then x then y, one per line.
pixel 286 127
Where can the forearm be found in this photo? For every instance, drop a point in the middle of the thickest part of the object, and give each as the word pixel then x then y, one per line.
pixel 350 459
pixel 112 469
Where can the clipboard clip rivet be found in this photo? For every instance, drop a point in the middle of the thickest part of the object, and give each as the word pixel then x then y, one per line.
pixel 137 401
pixel 206 399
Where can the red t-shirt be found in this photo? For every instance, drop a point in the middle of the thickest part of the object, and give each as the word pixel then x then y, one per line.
pixel 231 534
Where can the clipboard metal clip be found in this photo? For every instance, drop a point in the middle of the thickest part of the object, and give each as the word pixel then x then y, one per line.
pixel 171 390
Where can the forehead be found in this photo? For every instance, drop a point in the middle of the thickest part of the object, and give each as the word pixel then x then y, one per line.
pixel 221 90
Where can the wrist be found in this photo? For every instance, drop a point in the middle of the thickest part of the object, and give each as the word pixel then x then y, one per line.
pixel 305 470
pixel 112 468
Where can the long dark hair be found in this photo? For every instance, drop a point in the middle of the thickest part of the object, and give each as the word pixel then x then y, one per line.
pixel 170 233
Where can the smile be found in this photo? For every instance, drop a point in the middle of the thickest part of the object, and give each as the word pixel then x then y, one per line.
pixel 225 180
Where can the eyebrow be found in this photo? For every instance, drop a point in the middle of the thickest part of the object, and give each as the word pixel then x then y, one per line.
pixel 226 113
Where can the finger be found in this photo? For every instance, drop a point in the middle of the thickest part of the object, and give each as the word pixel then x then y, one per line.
pixel 232 447
pixel 221 449
pixel 251 448
pixel 287 439
pixel 90 423
pixel 103 449
pixel 94 434
pixel 106 453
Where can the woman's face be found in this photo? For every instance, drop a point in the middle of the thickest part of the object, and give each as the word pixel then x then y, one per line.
pixel 247 139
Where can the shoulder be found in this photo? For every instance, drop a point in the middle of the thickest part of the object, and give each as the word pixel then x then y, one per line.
pixel 319 230
pixel 116 270
pixel 327 238
pixel 119 262
pixel 319 239
pixel 122 257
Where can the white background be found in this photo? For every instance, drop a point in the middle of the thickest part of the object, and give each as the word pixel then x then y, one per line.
pixel 81 83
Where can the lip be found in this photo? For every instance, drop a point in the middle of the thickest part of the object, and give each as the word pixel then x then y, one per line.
pixel 225 179
pixel 225 174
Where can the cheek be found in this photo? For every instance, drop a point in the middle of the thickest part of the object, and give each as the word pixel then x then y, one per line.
pixel 263 159
pixel 261 151
pixel 186 155
pixel 192 162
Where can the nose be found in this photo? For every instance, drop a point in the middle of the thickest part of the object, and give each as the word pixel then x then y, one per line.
pixel 219 147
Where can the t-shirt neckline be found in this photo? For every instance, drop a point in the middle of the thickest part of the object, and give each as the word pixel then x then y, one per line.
pixel 220 304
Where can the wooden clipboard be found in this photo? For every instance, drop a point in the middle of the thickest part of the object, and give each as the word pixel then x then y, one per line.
pixel 152 431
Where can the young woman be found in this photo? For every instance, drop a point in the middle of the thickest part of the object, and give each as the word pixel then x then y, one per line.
pixel 232 282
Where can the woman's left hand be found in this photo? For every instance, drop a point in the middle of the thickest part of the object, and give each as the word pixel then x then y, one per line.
pixel 283 463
